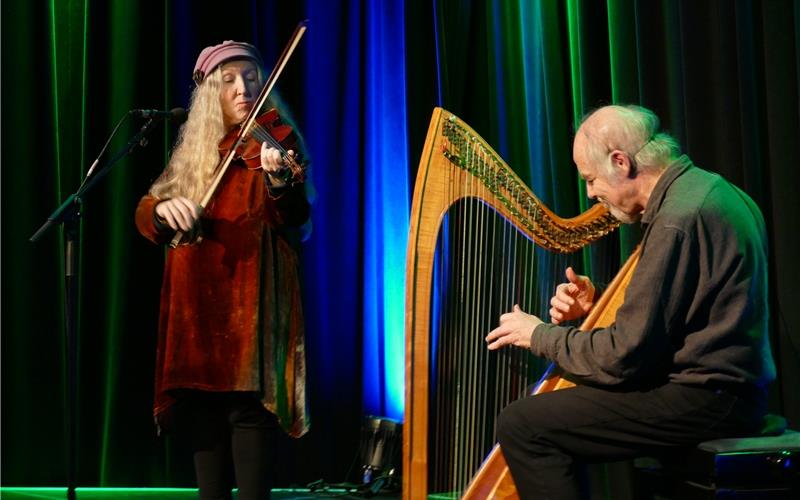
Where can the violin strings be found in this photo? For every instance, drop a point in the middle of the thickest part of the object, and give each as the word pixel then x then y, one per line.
pixel 261 134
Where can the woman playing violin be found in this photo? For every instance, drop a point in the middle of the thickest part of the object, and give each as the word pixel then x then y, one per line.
pixel 230 366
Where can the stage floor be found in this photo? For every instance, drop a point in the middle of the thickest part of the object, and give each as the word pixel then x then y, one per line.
pixel 10 493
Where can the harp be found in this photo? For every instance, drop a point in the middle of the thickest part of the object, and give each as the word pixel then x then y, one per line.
pixel 454 387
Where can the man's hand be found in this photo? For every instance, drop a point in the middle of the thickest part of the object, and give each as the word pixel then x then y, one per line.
pixel 515 328
pixel 572 300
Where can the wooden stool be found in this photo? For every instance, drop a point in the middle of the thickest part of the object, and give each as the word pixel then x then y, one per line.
pixel 766 467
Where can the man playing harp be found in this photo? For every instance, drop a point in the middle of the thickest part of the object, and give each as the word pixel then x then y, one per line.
pixel 688 357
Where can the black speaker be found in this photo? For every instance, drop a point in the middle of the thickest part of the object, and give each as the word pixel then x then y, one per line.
pixel 381 445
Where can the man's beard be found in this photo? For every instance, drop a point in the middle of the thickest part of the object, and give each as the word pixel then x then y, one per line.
pixel 621 216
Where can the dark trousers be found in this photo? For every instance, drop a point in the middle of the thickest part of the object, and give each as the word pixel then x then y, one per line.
pixel 547 439
pixel 230 431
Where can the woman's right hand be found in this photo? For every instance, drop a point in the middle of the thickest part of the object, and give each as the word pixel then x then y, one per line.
pixel 179 213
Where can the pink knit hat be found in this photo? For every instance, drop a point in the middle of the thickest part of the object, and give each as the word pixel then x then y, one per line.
pixel 213 56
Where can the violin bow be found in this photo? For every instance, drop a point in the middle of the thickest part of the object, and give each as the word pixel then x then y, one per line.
pixel 222 167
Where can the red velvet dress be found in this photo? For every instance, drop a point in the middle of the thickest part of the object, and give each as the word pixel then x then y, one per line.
pixel 231 313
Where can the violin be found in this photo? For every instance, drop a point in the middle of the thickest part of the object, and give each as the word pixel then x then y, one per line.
pixel 267 128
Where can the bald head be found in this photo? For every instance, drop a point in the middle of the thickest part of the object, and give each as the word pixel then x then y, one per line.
pixel 621 155
pixel 633 130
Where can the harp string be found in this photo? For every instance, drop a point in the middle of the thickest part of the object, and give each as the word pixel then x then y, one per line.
pixel 472 353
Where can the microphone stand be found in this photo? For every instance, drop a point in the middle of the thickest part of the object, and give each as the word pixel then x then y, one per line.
pixel 68 214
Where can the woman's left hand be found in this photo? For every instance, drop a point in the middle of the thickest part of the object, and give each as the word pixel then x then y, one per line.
pixel 272 163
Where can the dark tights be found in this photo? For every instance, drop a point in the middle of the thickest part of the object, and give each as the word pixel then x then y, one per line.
pixel 227 429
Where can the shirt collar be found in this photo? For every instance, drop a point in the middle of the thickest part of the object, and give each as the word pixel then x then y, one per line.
pixel 672 172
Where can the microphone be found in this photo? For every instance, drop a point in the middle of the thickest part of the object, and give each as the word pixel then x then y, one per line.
pixel 176 114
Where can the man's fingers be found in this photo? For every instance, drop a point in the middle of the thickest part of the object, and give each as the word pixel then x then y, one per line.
pixel 572 276
pixel 577 281
pixel 562 302
pixel 497 332
pixel 496 339
pixel 496 344
pixel 559 307
pixel 566 291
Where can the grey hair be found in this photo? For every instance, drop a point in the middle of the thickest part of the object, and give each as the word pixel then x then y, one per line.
pixel 637 134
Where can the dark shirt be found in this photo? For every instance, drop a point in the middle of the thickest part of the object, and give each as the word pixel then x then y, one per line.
pixel 696 309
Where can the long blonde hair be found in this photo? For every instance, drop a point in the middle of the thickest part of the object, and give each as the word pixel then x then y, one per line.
pixel 195 154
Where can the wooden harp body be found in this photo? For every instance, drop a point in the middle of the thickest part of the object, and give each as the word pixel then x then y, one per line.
pixel 460 172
